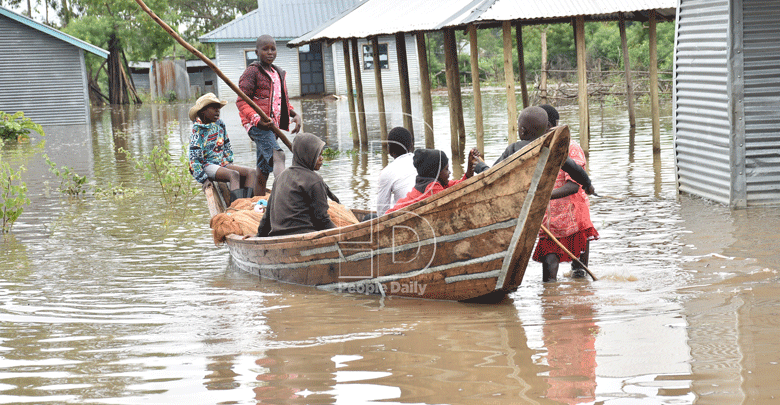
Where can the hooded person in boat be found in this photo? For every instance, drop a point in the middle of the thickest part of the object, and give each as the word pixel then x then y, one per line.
pixel 299 198
pixel 433 176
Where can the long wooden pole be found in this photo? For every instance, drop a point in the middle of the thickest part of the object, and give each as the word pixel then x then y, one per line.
pixel 350 96
pixel 475 87
pixel 403 78
pixel 521 63
pixel 361 106
pixel 582 87
pixel 509 80
pixel 627 69
pixel 543 80
pixel 216 70
pixel 654 107
pixel 560 245
pixel 425 89
pixel 380 97
pixel 453 92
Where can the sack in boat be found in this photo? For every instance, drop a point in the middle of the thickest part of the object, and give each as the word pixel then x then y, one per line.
pixel 341 215
pixel 242 219
pixel 234 222
pixel 248 203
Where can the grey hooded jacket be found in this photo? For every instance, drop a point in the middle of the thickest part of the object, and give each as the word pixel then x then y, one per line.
pixel 298 202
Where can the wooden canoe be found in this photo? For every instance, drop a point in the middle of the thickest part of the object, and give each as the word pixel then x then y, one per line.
pixel 471 242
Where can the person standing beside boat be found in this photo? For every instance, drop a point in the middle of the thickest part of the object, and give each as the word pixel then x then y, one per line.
pixel 299 199
pixel 396 180
pixel 210 154
pixel 433 176
pixel 568 214
pixel 266 84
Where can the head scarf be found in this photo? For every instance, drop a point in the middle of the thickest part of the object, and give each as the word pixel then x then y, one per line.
pixel 428 162
pixel 306 149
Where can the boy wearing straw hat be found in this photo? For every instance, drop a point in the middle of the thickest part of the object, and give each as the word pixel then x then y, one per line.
pixel 210 154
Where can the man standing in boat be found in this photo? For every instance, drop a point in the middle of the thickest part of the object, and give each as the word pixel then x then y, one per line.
pixel 266 84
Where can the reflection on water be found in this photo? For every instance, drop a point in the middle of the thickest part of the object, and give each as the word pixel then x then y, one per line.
pixel 102 304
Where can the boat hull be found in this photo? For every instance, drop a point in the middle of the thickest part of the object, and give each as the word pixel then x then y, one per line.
pixel 470 242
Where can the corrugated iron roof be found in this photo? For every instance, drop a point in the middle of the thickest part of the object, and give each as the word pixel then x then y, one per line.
pixel 282 19
pixel 385 17
pixel 55 33
pixel 508 10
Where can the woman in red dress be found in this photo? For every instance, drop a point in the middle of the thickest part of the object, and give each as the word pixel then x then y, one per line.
pixel 567 218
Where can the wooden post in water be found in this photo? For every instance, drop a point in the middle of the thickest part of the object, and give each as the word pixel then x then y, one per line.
pixel 403 77
pixel 509 80
pixel 543 80
pixel 458 134
pixel 582 86
pixel 361 106
pixel 350 97
pixel 521 63
pixel 425 89
pixel 627 68
pixel 380 97
pixel 654 107
pixel 475 87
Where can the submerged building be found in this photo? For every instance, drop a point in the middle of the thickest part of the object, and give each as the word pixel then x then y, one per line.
pixel 42 71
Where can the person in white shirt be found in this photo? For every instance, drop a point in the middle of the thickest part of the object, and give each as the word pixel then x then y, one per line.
pixel 397 178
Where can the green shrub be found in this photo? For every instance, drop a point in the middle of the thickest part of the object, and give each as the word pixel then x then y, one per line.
pixel 172 175
pixel 17 126
pixel 13 195
pixel 71 183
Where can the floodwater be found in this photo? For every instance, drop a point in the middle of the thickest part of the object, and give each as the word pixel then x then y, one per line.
pixel 101 303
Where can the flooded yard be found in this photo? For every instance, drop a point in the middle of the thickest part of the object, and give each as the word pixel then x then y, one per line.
pixel 102 303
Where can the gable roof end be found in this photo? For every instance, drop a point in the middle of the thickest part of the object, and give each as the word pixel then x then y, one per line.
pixel 54 33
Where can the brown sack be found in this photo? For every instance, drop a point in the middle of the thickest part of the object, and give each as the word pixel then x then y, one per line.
pixel 242 223
pixel 341 215
pixel 248 203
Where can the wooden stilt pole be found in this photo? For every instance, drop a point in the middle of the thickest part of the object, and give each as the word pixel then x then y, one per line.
pixel 458 132
pixel 543 80
pixel 403 77
pixel 380 97
pixel 350 97
pixel 654 102
pixel 582 75
pixel 521 63
pixel 509 80
pixel 476 88
pixel 361 106
pixel 425 89
pixel 627 67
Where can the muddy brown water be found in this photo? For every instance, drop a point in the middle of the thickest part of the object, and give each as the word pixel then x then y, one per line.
pixel 100 303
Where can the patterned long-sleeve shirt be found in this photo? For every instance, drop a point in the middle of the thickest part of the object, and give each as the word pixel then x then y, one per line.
pixel 209 145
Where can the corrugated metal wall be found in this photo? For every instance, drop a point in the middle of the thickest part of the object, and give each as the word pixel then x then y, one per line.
pixel 390 80
pixel 701 123
pixel 231 61
pixel 42 76
pixel 761 43
pixel 166 76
